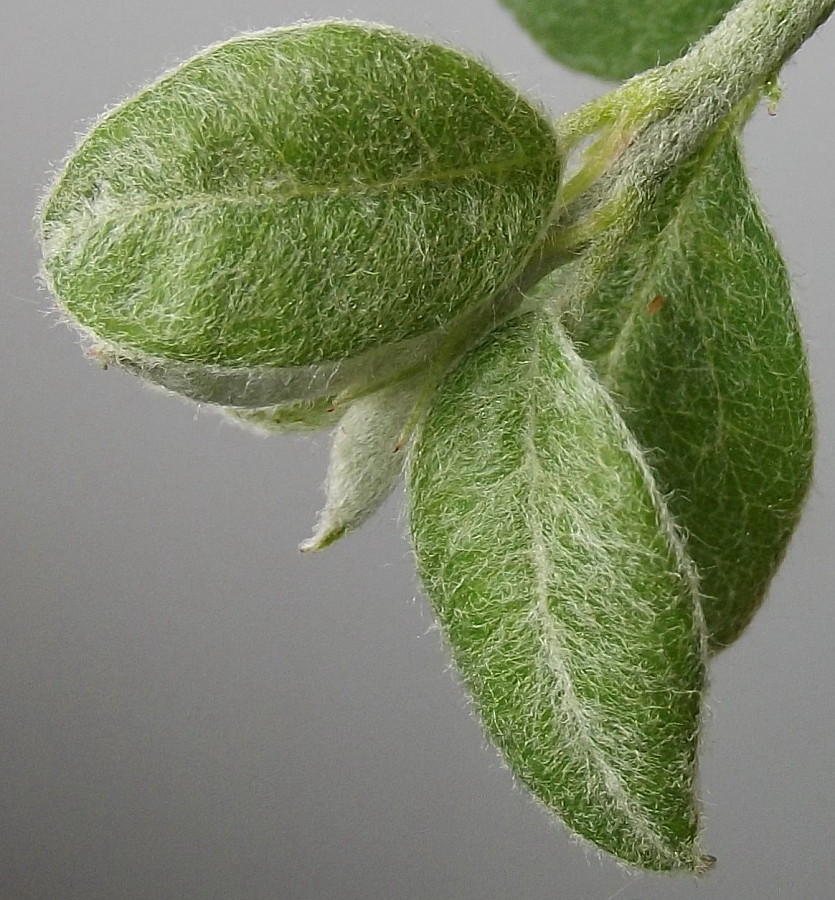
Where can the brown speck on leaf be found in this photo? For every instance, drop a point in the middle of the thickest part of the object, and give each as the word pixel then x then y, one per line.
pixel 655 304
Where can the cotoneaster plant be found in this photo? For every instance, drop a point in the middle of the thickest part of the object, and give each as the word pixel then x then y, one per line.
pixel 577 338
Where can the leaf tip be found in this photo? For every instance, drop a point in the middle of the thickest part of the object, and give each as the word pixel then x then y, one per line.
pixel 322 537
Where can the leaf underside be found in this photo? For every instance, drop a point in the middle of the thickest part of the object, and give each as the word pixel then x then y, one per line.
pixel 564 592
pixel 695 335
pixel 301 416
pixel 615 39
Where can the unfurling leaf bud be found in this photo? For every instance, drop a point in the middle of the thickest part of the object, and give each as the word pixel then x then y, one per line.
pixel 367 458
pixel 252 224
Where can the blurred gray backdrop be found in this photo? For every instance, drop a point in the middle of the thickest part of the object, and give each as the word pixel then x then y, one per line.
pixel 191 709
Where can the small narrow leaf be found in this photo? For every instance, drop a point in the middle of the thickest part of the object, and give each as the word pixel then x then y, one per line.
pixel 296 197
pixel 366 459
pixel 564 592
pixel 615 39
pixel 695 334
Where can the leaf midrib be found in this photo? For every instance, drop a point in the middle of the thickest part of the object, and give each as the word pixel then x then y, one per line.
pixel 555 655
pixel 120 207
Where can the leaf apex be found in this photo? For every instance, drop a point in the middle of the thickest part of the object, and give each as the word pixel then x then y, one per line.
pixel 322 537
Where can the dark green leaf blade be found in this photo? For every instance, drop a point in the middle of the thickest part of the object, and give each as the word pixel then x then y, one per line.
pixel 696 336
pixel 564 592
pixel 615 39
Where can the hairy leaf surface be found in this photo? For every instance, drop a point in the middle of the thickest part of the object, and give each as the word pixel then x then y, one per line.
pixel 615 39
pixel 564 592
pixel 695 334
pixel 298 196
pixel 301 416
pixel 366 460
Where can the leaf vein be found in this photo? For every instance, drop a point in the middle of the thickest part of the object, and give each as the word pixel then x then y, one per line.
pixel 287 189
pixel 554 656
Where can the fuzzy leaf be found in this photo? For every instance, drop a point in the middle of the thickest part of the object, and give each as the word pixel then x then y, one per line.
pixel 260 387
pixel 366 459
pixel 695 335
pixel 564 592
pixel 298 196
pixel 301 416
pixel 614 39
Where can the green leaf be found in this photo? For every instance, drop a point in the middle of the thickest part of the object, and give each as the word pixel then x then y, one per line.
pixel 366 462
pixel 261 387
pixel 614 39
pixel 298 196
pixel 564 592
pixel 695 335
pixel 301 416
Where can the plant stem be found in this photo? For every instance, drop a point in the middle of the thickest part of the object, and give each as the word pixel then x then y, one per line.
pixel 749 45
pixel 658 120
pixel 736 59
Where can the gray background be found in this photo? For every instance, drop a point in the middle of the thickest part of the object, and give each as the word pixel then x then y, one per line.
pixel 190 709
